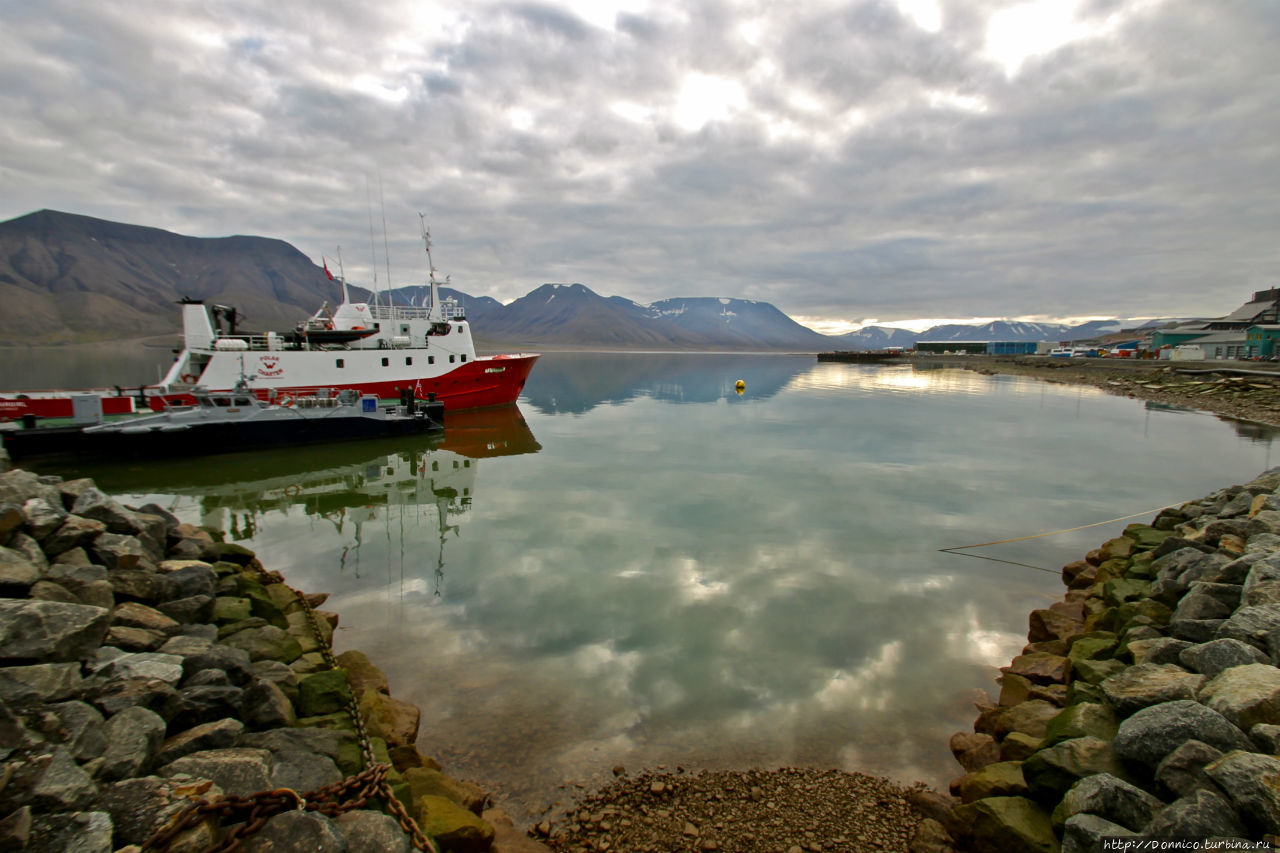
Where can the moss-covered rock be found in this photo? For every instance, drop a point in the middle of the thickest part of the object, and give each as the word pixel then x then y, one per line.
pixel 260 601
pixel 1121 589
pixel 423 782
pixel 1002 824
pixel 325 692
pixel 1096 645
pixel 230 552
pixel 1086 719
pixel 1002 779
pixel 230 608
pixel 394 721
pixel 1051 772
pixel 454 828
pixel 1095 672
pixel 1146 536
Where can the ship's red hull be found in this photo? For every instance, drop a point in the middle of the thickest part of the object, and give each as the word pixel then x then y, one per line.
pixel 478 384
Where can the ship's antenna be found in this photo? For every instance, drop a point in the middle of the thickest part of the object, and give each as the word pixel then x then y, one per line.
pixel 386 252
pixel 342 277
pixel 373 255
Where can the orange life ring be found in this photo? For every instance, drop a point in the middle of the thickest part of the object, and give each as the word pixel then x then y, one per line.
pixel 188 378
pixel 293 490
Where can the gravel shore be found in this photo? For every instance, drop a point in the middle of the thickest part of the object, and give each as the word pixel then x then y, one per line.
pixel 790 810
pixel 1252 396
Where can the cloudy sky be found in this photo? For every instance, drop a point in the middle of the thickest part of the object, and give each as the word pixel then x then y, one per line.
pixel 850 162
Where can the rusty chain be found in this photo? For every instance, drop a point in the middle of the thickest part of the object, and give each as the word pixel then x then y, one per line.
pixel 248 814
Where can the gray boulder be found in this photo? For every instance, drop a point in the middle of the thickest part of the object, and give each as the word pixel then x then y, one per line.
pixel 1197 604
pixel 191 579
pixel 266 706
pixel 370 830
pixel 166 668
pixel 304 771
pixel 61 785
pixel 220 734
pixel 206 704
pixel 1176 571
pixel 17 572
pixel 194 608
pixel 1146 684
pixel 237 771
pixel 21 543
pixel 19 486
pixel 74 832
pixel 50 630
pixel 121 551
pixel 1182 771
pixel 42 517
pixel 39 684
pixel 1266 737
pixel 75 532
pixel 1252 784
pixel 1158 650
pixel 233 661
pixel 1252 624
pixel 1213 657
pixel 133 739
pixel 1201 814
pixel 1109 797
pixel 1245 695
pixel 113 696
pixel 95 504
pixel 297 832
pixel 78 726
pixel 139 807
pixel 1154 732
pixel 1084 833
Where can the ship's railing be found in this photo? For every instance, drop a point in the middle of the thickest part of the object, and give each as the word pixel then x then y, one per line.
pixel 450 309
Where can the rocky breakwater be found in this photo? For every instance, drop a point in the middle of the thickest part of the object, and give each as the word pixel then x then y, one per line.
pixel 147 667
pixel 1147 701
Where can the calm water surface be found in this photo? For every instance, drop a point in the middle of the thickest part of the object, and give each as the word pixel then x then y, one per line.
pixel 641 567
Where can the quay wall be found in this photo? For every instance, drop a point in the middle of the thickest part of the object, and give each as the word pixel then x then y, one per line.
pixel 1146 702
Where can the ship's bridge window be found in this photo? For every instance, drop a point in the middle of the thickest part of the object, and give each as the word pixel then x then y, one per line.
pixel 243 401
pixel 459 329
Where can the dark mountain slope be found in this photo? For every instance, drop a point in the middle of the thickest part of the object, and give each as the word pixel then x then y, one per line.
pixel 67 277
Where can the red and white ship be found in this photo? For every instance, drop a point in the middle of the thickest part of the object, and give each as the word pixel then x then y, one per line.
pixel 387 350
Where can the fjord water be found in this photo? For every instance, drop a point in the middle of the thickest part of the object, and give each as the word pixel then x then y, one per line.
pixel 641 567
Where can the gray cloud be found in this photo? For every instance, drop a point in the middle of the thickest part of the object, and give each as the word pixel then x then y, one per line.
pixel 838 160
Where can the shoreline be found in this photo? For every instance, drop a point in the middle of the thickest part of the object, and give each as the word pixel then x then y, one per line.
pixel 1212 387
pixel 793 810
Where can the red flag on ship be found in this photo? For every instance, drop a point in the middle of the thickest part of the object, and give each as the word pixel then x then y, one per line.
pixel 326 267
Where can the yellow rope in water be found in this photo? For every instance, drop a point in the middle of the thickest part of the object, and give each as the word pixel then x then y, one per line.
pixel 1064 530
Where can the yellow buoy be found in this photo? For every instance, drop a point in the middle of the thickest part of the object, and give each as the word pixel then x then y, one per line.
pixel 739 386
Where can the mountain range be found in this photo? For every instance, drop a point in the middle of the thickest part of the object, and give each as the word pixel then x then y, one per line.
pixel 66 277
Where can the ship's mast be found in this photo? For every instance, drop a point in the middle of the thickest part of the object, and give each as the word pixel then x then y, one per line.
pixel 435 315
pixel 342 277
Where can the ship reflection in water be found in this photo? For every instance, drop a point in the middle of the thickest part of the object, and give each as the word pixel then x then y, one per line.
pixel 354 489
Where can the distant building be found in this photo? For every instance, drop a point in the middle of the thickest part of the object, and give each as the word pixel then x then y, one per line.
pixel 1247 332
pixel 978 347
